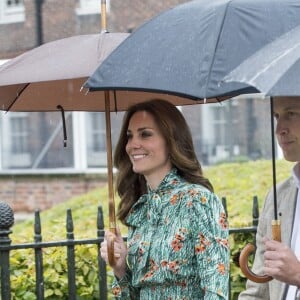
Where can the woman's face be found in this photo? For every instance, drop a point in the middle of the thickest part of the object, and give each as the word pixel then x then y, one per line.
pixel 146 147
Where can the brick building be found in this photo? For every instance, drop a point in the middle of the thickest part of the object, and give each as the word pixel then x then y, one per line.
pixel 35 171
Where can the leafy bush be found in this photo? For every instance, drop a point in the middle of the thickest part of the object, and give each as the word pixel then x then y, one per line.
pixel 238 182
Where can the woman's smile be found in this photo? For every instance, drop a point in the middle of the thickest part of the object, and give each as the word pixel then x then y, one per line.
pixel 137 156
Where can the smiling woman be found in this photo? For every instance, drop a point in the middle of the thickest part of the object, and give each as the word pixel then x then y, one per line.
pixel 177 229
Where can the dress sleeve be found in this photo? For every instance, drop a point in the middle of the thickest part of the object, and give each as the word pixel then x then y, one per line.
pixel 209 229
pixel 122 288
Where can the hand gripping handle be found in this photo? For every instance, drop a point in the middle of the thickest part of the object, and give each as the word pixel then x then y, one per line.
pixel 249 249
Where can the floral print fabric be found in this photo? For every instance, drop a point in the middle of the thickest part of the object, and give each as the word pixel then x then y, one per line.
pixel 177 245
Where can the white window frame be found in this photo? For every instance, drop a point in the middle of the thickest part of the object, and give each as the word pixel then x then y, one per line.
pixel 14 14
pixel 101 155
pixel 86 7
pixel 22 159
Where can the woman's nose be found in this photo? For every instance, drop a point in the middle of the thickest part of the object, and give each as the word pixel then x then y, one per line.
pixel 133 143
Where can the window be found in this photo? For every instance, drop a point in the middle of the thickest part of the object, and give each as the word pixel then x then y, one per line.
pixel 15 145
pixel 224 120
pixel 96 140
pixel 90 7
pixel 19 134
pixel 11 11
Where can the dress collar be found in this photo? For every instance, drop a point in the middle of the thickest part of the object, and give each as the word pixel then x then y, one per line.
pixel 169 181
pixel 140 209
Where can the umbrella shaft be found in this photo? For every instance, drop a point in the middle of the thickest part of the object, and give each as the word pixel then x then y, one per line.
pixel 112 216
pixel 273 159
pixel 103 15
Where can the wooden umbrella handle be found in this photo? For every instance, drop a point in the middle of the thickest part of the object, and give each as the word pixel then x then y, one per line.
pixel 249 249
pixel 110 249
pixel 243 261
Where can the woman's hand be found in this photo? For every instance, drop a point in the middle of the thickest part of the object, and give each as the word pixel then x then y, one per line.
pixel 120 252
pixel 281 263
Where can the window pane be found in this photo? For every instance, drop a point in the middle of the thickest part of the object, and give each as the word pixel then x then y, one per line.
pixel 12 11
pixel 19 135
pixel 35 140
pixel 96 137
pixel 96 140
pixel 11 3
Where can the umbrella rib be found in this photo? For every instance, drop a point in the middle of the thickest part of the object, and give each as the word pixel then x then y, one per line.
pixel 273 62
pixel 216 45
pixel 115 100
pixel 17 96
pixel 63 123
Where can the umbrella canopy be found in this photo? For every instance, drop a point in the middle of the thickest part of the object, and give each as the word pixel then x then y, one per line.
pixel 187 50
pixel 273 70
pixel 52 74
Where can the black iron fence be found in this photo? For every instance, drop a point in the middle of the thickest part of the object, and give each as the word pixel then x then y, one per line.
pixel 7 221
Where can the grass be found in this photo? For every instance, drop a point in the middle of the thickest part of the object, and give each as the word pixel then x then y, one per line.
pixel 239 182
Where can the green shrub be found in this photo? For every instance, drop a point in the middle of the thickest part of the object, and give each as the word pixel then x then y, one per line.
pixel 238 182
pixel 55 273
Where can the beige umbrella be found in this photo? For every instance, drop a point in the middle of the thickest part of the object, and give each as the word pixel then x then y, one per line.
pixel 49 78
pixel 52 74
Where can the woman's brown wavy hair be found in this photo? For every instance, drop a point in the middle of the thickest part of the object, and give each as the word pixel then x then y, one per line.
pixel 129 185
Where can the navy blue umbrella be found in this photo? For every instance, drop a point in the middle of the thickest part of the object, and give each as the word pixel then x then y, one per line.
pixel 188 50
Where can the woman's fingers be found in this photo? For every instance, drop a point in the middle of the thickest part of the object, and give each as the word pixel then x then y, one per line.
pixel 109 235
pixel 120 252
pixel 117 240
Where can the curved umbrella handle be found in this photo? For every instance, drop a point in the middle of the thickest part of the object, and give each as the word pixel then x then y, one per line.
pixel 249 248
pixel 243 261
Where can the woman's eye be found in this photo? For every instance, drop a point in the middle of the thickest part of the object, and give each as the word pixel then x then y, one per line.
pixel 129 136
pixel 146 134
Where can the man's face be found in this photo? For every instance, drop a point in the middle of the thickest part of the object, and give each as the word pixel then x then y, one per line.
pixel 287 115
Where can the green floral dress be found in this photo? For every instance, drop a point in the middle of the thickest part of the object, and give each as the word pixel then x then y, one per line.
pixel 177 245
